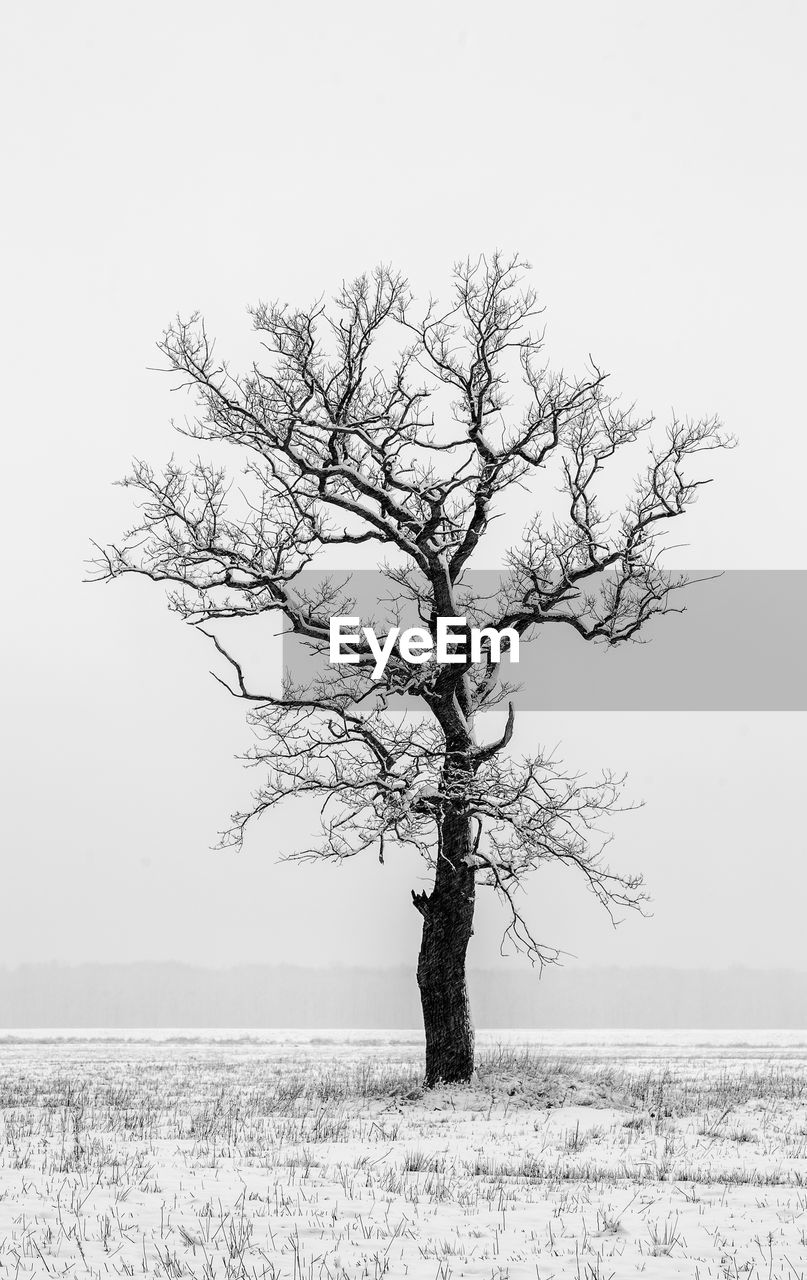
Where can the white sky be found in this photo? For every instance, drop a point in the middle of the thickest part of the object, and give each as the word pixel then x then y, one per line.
pixel 648 160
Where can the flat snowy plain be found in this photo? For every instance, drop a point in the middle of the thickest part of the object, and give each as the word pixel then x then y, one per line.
pixel 315 1154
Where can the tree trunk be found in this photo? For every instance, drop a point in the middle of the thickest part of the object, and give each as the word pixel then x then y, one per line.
pixel 448 913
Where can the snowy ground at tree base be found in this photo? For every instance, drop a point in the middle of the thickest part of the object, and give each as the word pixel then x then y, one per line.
pixel 316 1154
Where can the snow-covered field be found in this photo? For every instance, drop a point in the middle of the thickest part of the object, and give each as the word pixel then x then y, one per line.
pixel 316 1154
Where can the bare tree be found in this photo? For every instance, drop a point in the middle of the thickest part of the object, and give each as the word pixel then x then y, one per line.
pixel 416 456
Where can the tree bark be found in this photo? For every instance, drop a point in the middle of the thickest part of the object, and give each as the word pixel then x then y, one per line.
pixel 448 913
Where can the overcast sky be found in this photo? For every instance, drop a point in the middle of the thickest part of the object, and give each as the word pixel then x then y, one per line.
pixel 647 159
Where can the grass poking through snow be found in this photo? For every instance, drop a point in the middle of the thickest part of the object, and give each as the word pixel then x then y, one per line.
pixel 243 1160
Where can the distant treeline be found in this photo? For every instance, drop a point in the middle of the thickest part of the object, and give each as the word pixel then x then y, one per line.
pixel 176 995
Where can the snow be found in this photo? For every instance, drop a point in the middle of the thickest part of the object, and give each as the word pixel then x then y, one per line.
pixel 592 1155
